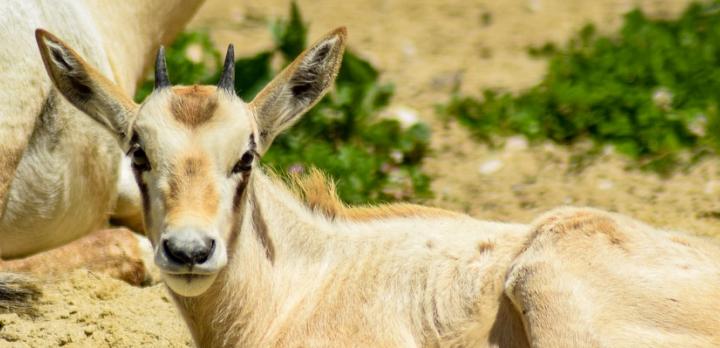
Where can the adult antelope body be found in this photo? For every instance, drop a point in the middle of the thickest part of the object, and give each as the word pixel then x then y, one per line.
pixel 251 264
pixel 59 172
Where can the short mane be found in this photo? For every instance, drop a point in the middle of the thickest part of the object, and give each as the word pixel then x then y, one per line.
pixel 318 192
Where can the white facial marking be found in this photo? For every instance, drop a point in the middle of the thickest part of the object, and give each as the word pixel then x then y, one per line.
pixel 214 146
pixel 189 285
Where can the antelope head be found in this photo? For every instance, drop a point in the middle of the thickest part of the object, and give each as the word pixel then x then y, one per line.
pixel 193 148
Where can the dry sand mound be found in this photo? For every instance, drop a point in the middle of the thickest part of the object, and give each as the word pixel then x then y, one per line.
pixel 84 309
pixel 424 47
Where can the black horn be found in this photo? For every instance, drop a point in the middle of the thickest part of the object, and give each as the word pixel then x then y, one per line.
pixel 227 78
pixel 161 75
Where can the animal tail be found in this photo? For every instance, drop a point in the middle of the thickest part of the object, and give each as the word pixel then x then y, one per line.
pixel 18 294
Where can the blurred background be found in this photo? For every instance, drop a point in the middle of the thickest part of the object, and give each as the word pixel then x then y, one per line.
pixel 499 109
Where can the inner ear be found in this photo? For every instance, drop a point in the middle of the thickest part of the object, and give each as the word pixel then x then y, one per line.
pixel 311 80
pixel 85 87
pixel 79 90
pixel 298 87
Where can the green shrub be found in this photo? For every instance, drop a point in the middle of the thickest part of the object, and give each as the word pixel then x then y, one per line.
pixel 651 91
pixel 372 159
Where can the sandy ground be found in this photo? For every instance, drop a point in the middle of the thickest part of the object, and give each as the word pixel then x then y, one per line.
pixel 89 310
pixel 425 47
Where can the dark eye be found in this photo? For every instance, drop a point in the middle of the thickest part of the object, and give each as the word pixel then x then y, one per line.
pixel 244 164
pixel 139 159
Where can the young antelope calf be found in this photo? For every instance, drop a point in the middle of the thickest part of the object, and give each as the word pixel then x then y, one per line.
pixel 251 265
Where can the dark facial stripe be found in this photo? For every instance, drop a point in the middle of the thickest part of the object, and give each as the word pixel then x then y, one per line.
pixel 145 198
pixel 261 230
pixel 240 192
pixel 258 221
pixel 237 204
pixel 134 140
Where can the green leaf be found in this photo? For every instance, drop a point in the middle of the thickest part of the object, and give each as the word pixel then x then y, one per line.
pixel 252 74
pixel 356 70
pixel 290 35
pixel 640 90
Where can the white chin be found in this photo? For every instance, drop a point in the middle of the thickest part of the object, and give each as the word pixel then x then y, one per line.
pixel 189 285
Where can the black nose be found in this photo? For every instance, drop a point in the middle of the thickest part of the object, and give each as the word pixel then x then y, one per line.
pixel 188 249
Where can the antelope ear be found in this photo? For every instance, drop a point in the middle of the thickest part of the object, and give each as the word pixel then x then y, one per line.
pixel 85 87
pixel 297 88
